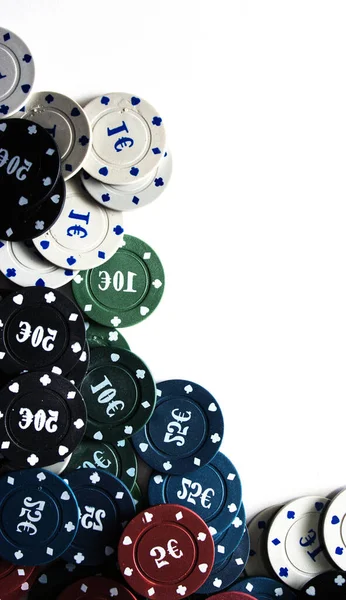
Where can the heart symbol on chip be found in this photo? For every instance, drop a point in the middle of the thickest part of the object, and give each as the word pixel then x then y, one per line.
pixel 203 567
pixel 212 407
pixel 3 126
pixel 311 591
pixel 43 578
pixel 18 299
pixel 63 450
pixel 14 387
pixel 109 550
pixel 127 541
pixel 167 465
pixel 55 198
pixel 24 587
pixel 98 436
pixel 144 310
pixel 131 472
pixel 19 554
pixel 115 357
pixel 23 201
pixel 65 496
pixel 128 572
pixel 148 517
pixel 143 447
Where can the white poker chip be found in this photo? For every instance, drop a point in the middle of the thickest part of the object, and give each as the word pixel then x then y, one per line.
pixel 67 123
pixel 334 530
pixel 85 235
pixel 295 550
pixel 123 198
pixel 21 263
pixel 128 139
pixel 17 73
pixel 258 563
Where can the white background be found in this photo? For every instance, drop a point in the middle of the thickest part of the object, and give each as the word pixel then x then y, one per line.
pixel 251 230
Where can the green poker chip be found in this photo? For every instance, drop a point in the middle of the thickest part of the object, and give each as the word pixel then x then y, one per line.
pixel 124 290
pixel 120 460
pixel 100 336
pixel 120 394
pixel 138 498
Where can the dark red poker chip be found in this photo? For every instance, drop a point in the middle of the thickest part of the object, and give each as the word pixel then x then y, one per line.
pixel 232 596
pixel 165 552
pixel 13 578
pixel 92 588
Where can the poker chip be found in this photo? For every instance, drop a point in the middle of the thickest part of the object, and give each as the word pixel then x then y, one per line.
pixel 138 498
pixel 66 122
pixel 227 572
pixel 185 431
pixel 38 516
pixel 258 563
pixel 169 536
pixel 120 460
pixel 122 198
pixel 329 586
pixel 128 138
pixel 53 580
pixel 78 371
pixel 40 328
pixel 21 263
pixel 105 504
pixel 333 530
pixel 212 491
pixel 84 236
pixel 17 72
pixel 294 547
pixel 228 540
pixel 43 419
pixel 99 336
pixel 127 288
pixel 59 467
pixel 119 392
pixel 13 578
pixel 264 588
pixel 25 182
pixel 101 588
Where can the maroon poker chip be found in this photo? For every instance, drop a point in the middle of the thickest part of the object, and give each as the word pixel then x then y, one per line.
pixel 165 552
pixel 91 588
pixel 14 578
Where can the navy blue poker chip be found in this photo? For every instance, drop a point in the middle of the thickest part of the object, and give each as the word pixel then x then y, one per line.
pixel 38 517
pixel 327 586
pixel 226 542
pixel 264 588
pixel 105 505
pixel 227 572
pixel 213 492
pixel 185 431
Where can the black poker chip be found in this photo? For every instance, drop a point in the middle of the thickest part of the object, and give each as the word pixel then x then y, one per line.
pixel 40 328
pixel 37 220
pixel 29 166
pixel 329 586
pixel 43 419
